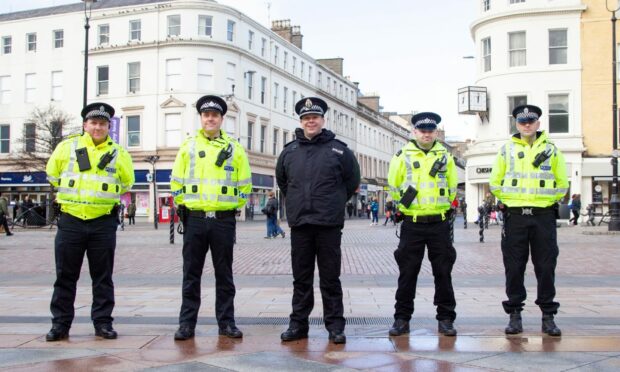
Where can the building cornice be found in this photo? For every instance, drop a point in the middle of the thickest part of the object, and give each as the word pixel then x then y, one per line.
pixel 523 13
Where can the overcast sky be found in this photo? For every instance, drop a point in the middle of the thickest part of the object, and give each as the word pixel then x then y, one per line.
pixel 410 52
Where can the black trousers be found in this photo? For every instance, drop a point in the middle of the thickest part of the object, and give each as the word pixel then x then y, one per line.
pixel 414 237
pixel 132 220
pixel 218 235
pixel 97 239
pixel 522 233
pixel 4 221
pixel 320 243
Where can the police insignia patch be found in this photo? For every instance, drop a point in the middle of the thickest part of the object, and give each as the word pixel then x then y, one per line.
pixel 229 168
pixel 308 103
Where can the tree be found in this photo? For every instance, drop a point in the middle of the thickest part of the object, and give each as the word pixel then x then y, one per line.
pixel 43 131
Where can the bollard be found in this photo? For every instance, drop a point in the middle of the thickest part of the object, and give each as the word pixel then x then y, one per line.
pixel 465 220
pixel 172 214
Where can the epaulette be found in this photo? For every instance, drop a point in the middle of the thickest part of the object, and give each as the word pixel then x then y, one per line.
pixel 399 152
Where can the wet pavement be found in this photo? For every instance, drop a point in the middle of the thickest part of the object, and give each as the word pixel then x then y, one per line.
pixel 148 278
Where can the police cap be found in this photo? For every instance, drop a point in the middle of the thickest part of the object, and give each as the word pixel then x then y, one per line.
pixel 311 105
pixel 526 113
pixel 425 120
pixel 211 103
pixel 97 110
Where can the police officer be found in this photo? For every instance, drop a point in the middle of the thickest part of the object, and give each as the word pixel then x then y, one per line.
pixel 317 174
pixel 210 180
pixel 90 172
pixel 529 177
pixel 423 177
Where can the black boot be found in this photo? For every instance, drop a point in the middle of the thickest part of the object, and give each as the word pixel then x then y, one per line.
pixel 106 331
pixel 231 331
pixel 400 327
pixel 57 333
pixel 446 327
pixel 549 327
pixel 184 332
pixel 337 337
pixel 293 333
pixel 515 325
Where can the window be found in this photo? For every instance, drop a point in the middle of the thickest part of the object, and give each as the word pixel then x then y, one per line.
pixel 558 113
pixel 335 87
pixel 284 137
pixel 558 47
pixel 133 131
pixel 294 65
pixel 275 55
pixel 57 82
pixel 486 54
pixel 230 76
pixel 319 79
pixel 263 88
pixel 59 36
pixel 102 80
pixel 275 95
pixel 205 25
pixel 250 134
pixel 250 78
pixel 516 1
pixel 56 133
pixel 5 138
pixel 285 60
pixel 205 75
pixel 230 126
pixel 284 99
pixel 302 70
pixel 276 136
pixel 5 89
pixel 294 101
pixel 135 30
pixel 310 73
pixel 31 42
pixel 30 88
pixel 513 102
pixel 7 42
pixel 230 30
pixel 173 74
pixel 174 25
pixel 516 48
pixel 173 130
pixel 103 32
pixel 133 77
pixel 263 47
pixel 329 84
pixel 486 5
pixel 263 133
pixel 30 132
pixel 250 39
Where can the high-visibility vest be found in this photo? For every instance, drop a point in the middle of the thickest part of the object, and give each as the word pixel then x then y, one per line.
pixel 518 183
pixel 94 192
pixel 199 184
pixel 411 166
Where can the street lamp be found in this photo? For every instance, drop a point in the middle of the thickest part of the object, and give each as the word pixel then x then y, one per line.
pixel 88 5
pixel 614 202
pixel 153 159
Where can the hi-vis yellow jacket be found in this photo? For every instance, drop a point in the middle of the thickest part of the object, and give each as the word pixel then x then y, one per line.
pixel 411 166
pixel 92 193
pixel 517 183
pixel 199 184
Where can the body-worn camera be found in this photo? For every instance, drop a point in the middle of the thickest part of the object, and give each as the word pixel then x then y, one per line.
pixel 408 196
pixel 223 155
pixel 437 165
pixel 106 159
pixel 541 157
pixel 81 155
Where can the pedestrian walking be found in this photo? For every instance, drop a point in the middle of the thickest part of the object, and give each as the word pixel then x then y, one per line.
pixel 529 177
pixel 374 209
pixel 90 172
pixel 4 214
pixel 318 174
pixel 210 180
pixel 423 176
pixel 389 212
pixel 131 213
pixel 349 209
pixel 575 208
pixel 271 211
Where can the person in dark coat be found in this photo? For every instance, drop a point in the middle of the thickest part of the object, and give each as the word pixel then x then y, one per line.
pixel 317 174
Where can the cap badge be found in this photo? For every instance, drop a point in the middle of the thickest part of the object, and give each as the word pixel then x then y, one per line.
pixel 526 111
pixel 308 103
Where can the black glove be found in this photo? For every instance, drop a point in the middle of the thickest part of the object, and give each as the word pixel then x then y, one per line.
pixel 56 208
pixel 399 217
pixel 182 212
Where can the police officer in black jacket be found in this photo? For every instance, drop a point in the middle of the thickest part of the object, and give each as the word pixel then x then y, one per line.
pixel 317 174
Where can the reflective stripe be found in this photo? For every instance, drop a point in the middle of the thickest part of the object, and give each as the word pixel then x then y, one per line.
pixel 533 175
pixel 192 158
pixel 98 194
pixel 562 190
pixel 394 189
pixel 443 200
pixel 453 190
pixel 85 202
pixel 549 150
pixel 227 198
pixel 510 156
pixel 211 182
pixel 52 179
pixel 409 170
pixel 426 185
pixel 72 158
pixel 229 163
pixel 67 190
pixel 532 191
pixel 244 182
pixel 176 179
pixel 514 190
pixel 495 188
pixel 548 191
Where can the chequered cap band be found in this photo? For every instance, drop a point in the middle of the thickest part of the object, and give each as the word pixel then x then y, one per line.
pixel 425 121
pixel 527 115
pixel 97 114
pixel 211 105
pixel 314 109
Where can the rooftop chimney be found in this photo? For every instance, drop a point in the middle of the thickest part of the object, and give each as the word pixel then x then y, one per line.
pixel 290 33
pixel 335 64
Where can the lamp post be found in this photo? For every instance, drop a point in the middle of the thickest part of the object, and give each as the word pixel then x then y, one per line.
pixel 153 159
pixel 614 202
pixel 88 5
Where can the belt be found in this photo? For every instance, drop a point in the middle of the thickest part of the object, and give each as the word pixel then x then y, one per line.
pixel 213 214
pixel 426 219
pixel 530 211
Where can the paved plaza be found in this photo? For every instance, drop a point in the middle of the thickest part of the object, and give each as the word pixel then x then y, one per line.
pixel 148 295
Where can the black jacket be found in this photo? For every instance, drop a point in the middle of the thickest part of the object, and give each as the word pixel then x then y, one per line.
pixel 317 177
pixel 271 207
